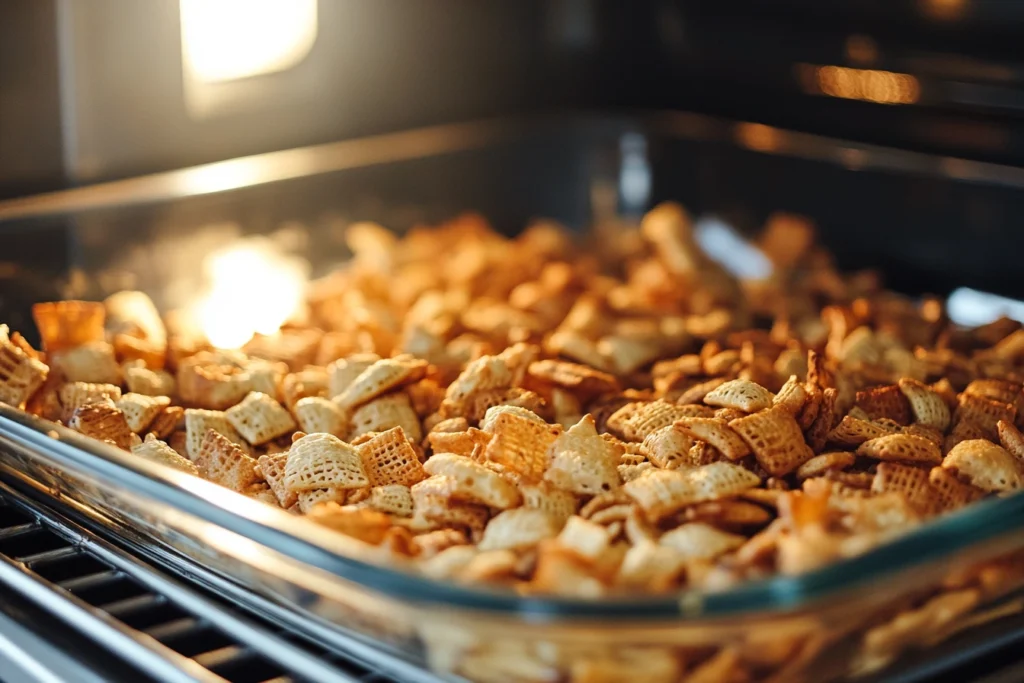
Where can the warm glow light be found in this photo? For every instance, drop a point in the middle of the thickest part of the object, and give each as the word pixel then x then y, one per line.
pixel 224 40
pixel 880 87
pixel 253 287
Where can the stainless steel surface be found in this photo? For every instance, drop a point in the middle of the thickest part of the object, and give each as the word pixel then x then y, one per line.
pixel 29 657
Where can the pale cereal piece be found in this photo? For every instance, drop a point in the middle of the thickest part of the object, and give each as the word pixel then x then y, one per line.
pixel 142 380
pixel 212 381
pixel 432 543
pixel 629 472
pixel 341 373
pixel 272 467
pixel 198 421
pixel 521 445
pixel 265 376
pixel 729 513
pixel 93 363
pixel 154 450
pixel 716 432
pixel 518 529
pixel 927 406
pixel 447 563
pixel 819 465
pixel 307 501
pixel 259 419
pixel 484 373
pixel 635 421
pixel 852 431
pixel 696 393
pixel 985 465
pixel 885 401
pixel 901 448
pixel 460 443
pixel 318 461
pixel 791 396
pixel 651 567
pixel 669 448
pixel 104 422
pixel 364 524
pixel 984 414
pixel 316 414
pixel 776 440
pixel 559 504
pixel 740 394
pixel 581 380
pixel 1011 439
pixel 913 483
pixel 699 541
pixel 491 416
pixel 389 458
pixel 582 462
pixel 663 492
pixel 140 410
pixel 584 538
pixel 21 375
pixel 380 378
pixel 224 463
pixel 473 483
pixel 394 499
pixel 560 571
pixel 392 410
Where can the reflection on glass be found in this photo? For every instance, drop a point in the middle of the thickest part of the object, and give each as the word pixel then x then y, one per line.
pixel 868 85
pixel 970 307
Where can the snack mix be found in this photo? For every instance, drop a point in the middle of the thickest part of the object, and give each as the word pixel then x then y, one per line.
pixel 627 419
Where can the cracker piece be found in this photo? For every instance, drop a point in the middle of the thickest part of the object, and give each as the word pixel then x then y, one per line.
pixel 518 529
pixel 473 483
pixel 223 462
pixel 318 461
pixel 901 448
pixel 273 467
pixel 140 411
pixel 740 394
pixel 775 439
pixel 926 405
pixel 716 432
pixel 389 458
pixel 791 396
pixel 913 483
pixel 952 493
pixel 582 462
pixel 491 416
pixel 521 445
pixel 381 414
pixel 699 541
pixel 21 374
pixel 559 504
pixel 885 401
pixel 985 465
pixel 380 378
pixel 393 499
pixel 663 492
pixel 819 465
pixel 157 451
pixel 102 421
pixel 307 501
pixel 635 421
pixel 316 414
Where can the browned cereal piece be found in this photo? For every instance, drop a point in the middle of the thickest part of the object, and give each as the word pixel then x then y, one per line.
pixel 885 401
pixel 476 405
pixel 963 431
pixel 309 382
pixel 494 566
pixel 575 346
pixel 925 432
pixel 985 465
pixel 93 362
pixel 364 524
pixel 651 567
pixel 699 541
pixel 1011 439
pixel 1001 390
pixel 740 394
pixel 318 461
pixel 154 450
pixel 820 464
pixel 983 413
pixel 663 492
pixel 697 392
pixel 484 373
pixel 318 414
pixel 728 513
pixel 432 503
pixel 818 373
pixel 391 410
pixel 766 496
pixel 472 482
pixel 260 419
pixel 562 572
pixel 307 501
pixel 140 410
pixel 343 372
pixel 635 421
pixel 776 440
pixel 492 413
pixel 447 563
pixel 142 380
pixel 380 378
pixel 817 434
pixel 852 431
pixel 68 324
pixel 913 483
pixel 272 467
pixel 104 422
pixel 518 529
pixel 167 422
pixel 21 374
pixel 389 458
pixel 460 443
pixel 952 493
pixel 74 395
pixel 716 432
pixel 213 380
pixel 885 641
pixel 581 461
pixel 581 380
pixel 851 480
pixel 791 396
pixel 901 448
pixel 927 406
pixel 669 448
pixel 224 463
pixel 521 445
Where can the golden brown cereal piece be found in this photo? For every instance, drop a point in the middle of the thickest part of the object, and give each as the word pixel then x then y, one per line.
pixel 669 448
pixel 729 414
pixel 818 373
pixel 154 450
pixel 716 432
pixel 491 416
pixel 697 392
pixel 927 406
pixel 307 501
pixel 198 421
pixel 585 539
pixel 820 464
pixel 93 362
pixel 985 465
pixel 394 499
pixel 740 394
pixel 309 382
pixel 767 496
pixel 389 458
pixel 581 380
pixel 663 492
pixel 318 461
pixel 631 471
pixel 383 376
pixel 886 401
pixel 521 445
pixel 318 414
pixel 431 543
pixel 913 483
pixel 791 396
pixel 887 640
pixel 852 431
pixel 699 541
pixel 260 419
pixel 851 480
pixel 74 395
pixel 635 421
pixel 984 414
pixel 563 572
pixel 451 424
pixel 364 524
pixel 449 562
pixel 953 494
pixel 169 419
pixel 460 443
pixel 518 529
pixel 341 373
pixel 776 440
pixel 582 462
pixel 925 432
pixel 495 566
pixel 21 375
pixel 432 503
pixel 486 372
pixel 224 463
pixel 473 483
pixel 104 422
pixel 1012 439
pixel 809 413
pixel 901 448
pixel 272 467
pixel 559 504
pixel 261 492
pixel 67 324
pixel 142 380
pixel 1001 390
pixel 140 410
pixel 651 567
pixel 213 380
pixel 728 513
pixel 817 434
pixel 392 410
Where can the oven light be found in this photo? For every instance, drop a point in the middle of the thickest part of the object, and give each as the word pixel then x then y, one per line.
pixel 723 244
pixel 970 308
pixel 867 85
pixel 224 40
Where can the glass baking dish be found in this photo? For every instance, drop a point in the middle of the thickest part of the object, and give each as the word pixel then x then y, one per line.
pixel 142 233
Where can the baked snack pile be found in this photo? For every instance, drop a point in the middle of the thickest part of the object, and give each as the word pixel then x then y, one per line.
pixel 628 418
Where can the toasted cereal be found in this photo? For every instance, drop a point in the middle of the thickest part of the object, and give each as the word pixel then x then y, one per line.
pixel 521 444
pixel 582 462
pixel 817 434
pixel 394 499
pixel 307 501
pixel 852 431
pixel 776 440
pixel 68 324
pixel 729 513
pixel 983 414
pixel 631 471
pixel 389 458
pixel 821 464
pixel 901 448
pixel 342 372
pixel 224 463
pixel 927 406
pixel 140 410
pixel 952 493
pixel 716 432
pixel 198 422
pixel 740 394
pixel 432 543
pixel 495 565
pixel 669 448
pixel 517 529
pixel 635 421
pixel 154 450
pixel 142 380
pixel 699 541
pixel 447 563
pixel 392 410
pixel 472 482
pixel 561 571
pixel 318 414
pixel 491 416
pixel 559 504
pixel 985 465
pixel 913 483
pixel 73 395
pixel 586 539
pixel 663 492
pixel 21 374
pixel 259 419
pixel 581 380
pixel 1011 439
pixel 791 396
pixel 272 467
pixel 1000 390
pixel 318 461
pixel 485 373
pixel 885 401
pixel 650 566
pixel 461 443
pixel 213 380
pixel 93 362
pixel 104 422
pixel 364 524
pixel 380 378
